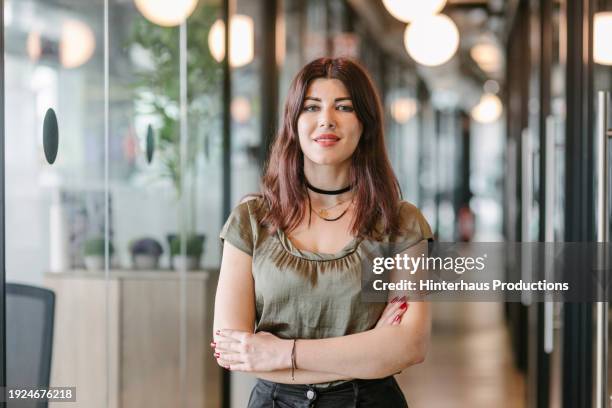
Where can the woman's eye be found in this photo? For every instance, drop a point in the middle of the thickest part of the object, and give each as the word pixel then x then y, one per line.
pixel 310 108
pixel 345 108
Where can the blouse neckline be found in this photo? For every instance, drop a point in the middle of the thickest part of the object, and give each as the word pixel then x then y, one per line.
pixel 288 246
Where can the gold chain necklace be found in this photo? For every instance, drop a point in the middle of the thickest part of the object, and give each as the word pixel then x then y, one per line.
pixel 323 212
pixel 323 215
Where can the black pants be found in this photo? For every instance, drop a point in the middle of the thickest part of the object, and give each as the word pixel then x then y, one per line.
pixel 379 393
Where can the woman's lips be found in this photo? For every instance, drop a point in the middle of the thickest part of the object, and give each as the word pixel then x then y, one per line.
pixel 327 140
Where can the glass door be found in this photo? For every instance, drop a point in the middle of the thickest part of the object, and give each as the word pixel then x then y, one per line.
pixel 554 187
pixel 112 168
pixel 57 210
pixel 602 73
pixel 165 159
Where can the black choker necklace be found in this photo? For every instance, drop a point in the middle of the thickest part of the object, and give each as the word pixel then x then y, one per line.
pixel 328 192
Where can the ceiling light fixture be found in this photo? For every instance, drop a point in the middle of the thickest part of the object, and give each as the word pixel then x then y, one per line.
pixel 488 110
pixel 241 109
pixel 241 38
pixel 411 10
pixel 602 33
pixel 403 109
pixel 77 44
pixel 432 40
pixel 487 56
pixel 34 46
pixel 166 13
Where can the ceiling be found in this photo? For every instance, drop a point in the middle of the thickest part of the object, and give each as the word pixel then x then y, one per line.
pixel 457 83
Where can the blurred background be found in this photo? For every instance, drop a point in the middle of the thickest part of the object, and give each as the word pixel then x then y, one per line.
pixel 129 134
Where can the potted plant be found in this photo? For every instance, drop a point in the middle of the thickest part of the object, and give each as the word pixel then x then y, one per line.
pixel 94 253
pixel 194 247
pixel 146 253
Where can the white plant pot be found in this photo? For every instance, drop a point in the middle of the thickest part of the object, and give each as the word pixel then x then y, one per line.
pixel 146 262
pixel 189 263
pixel 94 262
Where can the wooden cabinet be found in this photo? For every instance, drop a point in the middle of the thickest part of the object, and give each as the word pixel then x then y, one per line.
pixel 140 338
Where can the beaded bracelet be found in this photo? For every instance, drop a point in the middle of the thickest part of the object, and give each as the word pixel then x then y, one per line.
pixel 293 364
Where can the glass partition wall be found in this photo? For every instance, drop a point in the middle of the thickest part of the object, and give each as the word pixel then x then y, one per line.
pixel 113 154
pixel 247 65
pixel 602 78
pixel 56 216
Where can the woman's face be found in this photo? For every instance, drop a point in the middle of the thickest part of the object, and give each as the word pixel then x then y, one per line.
pixel 328 127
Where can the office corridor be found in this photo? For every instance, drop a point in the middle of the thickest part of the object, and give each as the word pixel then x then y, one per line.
pixel 131 130
pixel 469 363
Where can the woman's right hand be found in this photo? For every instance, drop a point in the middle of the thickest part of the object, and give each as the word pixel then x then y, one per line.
pixel 392 315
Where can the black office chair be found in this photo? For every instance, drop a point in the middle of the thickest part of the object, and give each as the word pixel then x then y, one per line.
pixel 29 337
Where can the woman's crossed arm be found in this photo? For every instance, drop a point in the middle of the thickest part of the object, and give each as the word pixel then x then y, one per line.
pixel 388 348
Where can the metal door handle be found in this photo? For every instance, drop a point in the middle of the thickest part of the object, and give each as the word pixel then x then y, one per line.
pixel 526 199
pixel 549 186
pixel 549 227
pixel 603 132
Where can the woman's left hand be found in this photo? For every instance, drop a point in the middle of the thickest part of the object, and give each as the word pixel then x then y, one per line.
pixel 244 351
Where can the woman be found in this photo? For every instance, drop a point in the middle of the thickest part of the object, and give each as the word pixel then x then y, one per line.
pixel 288 306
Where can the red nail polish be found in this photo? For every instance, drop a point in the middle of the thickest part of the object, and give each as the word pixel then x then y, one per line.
pixel 404 306
pixel 397 319
pixel 217 355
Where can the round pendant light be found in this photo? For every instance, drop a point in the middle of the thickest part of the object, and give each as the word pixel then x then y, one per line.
pixel 166 13
pixel 77 43
pixel 488 57
pixel 410 10
pixel 242 38
pixel 240 109
pixel 488 110
pixel 403 109
pixel 602 34
pixel 34 46
pixel 432 40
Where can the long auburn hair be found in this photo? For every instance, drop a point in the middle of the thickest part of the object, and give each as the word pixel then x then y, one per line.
pixel 377 191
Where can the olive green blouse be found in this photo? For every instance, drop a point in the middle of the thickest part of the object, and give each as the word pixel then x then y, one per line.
pixel 308 295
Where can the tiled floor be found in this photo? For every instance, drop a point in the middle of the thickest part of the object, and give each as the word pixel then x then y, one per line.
pixel 469 361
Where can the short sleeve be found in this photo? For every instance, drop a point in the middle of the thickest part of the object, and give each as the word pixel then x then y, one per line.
pixel 413 225
pixel 238 229
pixel 424 227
